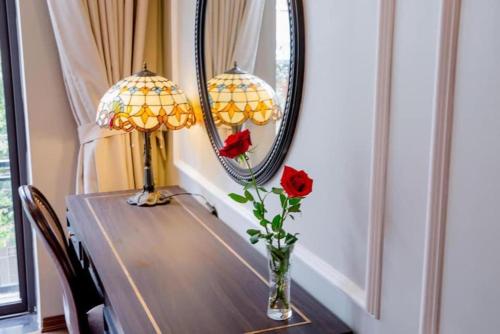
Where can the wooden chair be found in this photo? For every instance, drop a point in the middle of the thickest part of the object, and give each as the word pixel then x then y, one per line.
pixel 82 309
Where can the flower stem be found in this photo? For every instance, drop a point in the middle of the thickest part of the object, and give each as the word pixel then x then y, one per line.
pixel 280 299
pixel 254 180
pixel 283 216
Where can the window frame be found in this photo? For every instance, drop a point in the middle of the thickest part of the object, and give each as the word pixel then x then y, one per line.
pixel 16 134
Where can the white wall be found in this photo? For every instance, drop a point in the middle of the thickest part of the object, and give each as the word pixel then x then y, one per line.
pixel 52 136
pixel 333 142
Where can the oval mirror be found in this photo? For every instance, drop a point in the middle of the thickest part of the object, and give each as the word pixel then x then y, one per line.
pixel 250 63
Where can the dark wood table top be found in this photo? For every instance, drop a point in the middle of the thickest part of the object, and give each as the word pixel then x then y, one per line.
pixel 178 269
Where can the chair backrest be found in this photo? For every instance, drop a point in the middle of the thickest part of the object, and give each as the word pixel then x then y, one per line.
pixel 46 224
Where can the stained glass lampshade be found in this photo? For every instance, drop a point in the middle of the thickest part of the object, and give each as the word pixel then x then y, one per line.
pixel 237 96
pixel 145 102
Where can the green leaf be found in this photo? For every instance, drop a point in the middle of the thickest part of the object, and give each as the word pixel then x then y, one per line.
pixel 295 200
pixel 283 200
pixel 263 189
pixel 264 222
pixel 254 239
pixel 238 198
pixel 258 214
pixel 295 208
pixel 252 232
pixel 277 190
pixel 248 195
pixel 260 207
pixel 290 239
pixel 276 223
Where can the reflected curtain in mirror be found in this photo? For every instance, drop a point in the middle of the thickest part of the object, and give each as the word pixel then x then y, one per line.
pixel 232 34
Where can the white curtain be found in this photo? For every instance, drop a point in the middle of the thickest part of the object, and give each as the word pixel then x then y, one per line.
pixel 99 43
pixel 232 34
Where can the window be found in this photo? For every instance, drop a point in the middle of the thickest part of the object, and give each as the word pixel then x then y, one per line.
pixel 282 50
pixel 16 262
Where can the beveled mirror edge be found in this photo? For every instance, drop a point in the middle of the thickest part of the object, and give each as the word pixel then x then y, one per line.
pixel 265 170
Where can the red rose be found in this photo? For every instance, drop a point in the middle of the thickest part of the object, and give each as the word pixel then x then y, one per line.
pixel 296 183
pixel 236 144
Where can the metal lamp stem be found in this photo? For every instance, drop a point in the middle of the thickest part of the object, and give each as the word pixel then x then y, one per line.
pixel 149 184
pixel 148 196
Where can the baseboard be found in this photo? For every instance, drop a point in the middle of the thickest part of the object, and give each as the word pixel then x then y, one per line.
pixel 54 323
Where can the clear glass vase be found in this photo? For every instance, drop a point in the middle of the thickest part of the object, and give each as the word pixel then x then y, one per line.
pixel 279 262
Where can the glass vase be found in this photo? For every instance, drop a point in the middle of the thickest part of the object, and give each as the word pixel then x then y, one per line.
pixel 279 262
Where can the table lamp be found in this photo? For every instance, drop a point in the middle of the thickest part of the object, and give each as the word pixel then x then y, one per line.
pixel 145 102
pixel 236 96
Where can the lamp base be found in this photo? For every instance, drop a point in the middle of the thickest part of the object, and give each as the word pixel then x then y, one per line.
pixel 148 198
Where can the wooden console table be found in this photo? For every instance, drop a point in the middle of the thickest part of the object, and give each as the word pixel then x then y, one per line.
pixel 178 269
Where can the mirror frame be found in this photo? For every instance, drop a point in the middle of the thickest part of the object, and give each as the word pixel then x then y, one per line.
pixel 266 169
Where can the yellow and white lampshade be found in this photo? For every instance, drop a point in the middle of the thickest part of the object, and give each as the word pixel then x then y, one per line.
pixel 237 96
pixel 145 101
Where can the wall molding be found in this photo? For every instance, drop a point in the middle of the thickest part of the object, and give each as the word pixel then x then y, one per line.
pixel 381 125
pixel 439 166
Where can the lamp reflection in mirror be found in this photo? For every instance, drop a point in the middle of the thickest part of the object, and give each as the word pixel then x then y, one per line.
pixel 237 96
pixel 145 102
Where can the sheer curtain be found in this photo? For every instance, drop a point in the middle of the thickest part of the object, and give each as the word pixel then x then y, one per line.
pixel 100 42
